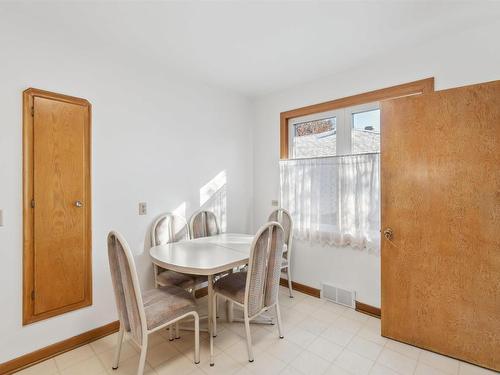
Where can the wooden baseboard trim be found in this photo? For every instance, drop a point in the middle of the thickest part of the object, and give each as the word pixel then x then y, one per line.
pixel 202 292
pixel 60 347
pixel 302 288
pixel 368 309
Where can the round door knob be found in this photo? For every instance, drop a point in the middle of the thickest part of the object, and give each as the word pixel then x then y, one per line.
pixel 388 233
pixel 78 204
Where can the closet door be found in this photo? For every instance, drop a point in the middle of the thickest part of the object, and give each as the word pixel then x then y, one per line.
pixel 440 176
pixel 57 219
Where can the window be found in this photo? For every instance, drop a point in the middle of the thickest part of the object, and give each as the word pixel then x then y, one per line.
pixel 330 165
pixel 352 130
pixel 330 183
pixel 365 129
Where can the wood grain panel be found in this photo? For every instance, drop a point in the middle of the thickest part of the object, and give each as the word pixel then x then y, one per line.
pixel 440 180
pixel 57 237
pixel 368 309
pixel 59 226
pixel 412 88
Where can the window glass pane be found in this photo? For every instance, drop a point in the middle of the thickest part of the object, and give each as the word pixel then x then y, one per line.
pixel 366 131
pixel 315 138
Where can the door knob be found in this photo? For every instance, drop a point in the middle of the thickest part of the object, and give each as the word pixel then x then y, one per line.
pixel 388 233
pixel 78 204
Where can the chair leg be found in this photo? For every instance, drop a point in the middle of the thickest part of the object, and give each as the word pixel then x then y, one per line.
pixel 211 348
pixel 118 347
pixel 155 273
pixel 171 332
pixel 278 318
pixel 289 281
pixel 209 321
pixel 249 339
pixel 214 315
pixel 196 338
pixel 177 335
pixel 142 359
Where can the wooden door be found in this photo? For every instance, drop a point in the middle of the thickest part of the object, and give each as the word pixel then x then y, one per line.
pixel 57 267
pixel 440 178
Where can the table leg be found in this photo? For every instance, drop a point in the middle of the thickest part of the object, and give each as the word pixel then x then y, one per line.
pixel 229 311
pixel 229 306
pixel 210 288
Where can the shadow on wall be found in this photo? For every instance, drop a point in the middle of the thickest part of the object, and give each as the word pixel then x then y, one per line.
pixel 180 210
pixel 213 197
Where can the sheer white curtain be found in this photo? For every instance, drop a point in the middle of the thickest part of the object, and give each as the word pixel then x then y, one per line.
pixel 334 200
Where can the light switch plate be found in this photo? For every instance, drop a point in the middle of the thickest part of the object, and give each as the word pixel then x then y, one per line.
pixel 274 203
pixel 143 208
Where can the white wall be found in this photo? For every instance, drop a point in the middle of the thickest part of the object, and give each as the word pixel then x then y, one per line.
pixel 471 56
pixel 159 137
pixel 156 138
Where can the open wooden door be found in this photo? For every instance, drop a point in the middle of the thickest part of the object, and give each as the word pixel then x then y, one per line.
pixel 440 178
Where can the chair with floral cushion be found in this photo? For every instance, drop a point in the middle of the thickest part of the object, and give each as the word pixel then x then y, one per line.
pixel 142 313
pixel 255 290
pixel 166 229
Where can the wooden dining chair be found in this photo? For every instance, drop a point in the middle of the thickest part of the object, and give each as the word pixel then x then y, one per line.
pixel 283 217
pixel 203 224
pixel 256 290
pixel 142 313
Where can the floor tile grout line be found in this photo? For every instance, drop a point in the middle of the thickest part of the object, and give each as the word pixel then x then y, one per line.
pixel 376 360
pixel 72 350
pixel 418 360
pixel 361 355
pixel 299 317
pixel 404 355
pixel 102 363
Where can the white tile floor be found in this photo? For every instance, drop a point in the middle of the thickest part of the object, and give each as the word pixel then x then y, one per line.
pixel 320 338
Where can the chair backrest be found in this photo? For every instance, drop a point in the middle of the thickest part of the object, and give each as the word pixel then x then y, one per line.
pixel 283 217
pixel 126 286
pixel 264 268
pixel 203 224
pixel 169 228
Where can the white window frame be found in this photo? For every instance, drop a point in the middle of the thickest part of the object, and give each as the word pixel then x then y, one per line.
pixel 344 126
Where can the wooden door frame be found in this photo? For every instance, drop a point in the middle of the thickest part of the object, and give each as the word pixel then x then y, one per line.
pixel 28 217
pixel 422 86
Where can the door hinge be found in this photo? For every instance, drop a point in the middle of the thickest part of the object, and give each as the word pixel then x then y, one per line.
pixel 32 111
pixel 32 203
pixel 33 295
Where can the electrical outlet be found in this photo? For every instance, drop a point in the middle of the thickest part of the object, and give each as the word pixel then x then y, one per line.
pixel 274 203
pixel 143 208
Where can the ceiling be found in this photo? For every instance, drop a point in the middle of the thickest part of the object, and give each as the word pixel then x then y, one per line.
pixel 254 47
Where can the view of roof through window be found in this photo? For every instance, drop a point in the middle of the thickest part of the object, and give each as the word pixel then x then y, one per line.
pixel 366 131
pixel 315 138
pixel 319 137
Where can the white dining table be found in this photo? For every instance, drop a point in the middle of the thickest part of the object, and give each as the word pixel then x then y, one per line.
pixel 207 256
